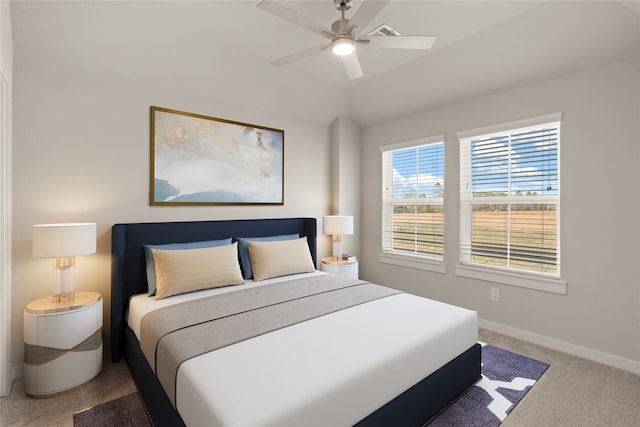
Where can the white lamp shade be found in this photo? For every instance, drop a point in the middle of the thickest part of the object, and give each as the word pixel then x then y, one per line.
pixel 337 224
pixel 64 240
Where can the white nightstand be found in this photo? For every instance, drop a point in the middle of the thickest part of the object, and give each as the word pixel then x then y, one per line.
pixel 63 343
pixel 341 268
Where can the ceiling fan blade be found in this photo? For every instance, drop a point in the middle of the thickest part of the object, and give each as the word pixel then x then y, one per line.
pixel 294 18
pixel 300 55
pixel 401 42
pixel 365 14
pixel 352 65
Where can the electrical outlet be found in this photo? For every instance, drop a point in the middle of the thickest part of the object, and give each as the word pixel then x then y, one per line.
pixel 495 294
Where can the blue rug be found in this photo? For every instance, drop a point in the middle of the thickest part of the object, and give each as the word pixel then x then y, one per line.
pixel 506 378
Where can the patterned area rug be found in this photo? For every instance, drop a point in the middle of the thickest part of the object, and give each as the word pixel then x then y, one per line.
pixel 127 411
pixel 506 378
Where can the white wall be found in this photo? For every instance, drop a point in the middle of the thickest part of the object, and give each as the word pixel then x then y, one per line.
pixel 346 177
pixel 81 153
pixel 6 78
pixel 600 227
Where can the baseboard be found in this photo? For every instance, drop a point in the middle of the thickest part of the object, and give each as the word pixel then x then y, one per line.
pixel 565 347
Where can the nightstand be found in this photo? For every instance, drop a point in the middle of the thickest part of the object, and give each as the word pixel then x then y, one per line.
pixel 62 343
pixel 339 267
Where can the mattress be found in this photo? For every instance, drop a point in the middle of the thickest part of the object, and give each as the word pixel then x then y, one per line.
pixel 331 370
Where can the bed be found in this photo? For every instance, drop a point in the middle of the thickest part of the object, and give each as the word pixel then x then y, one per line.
pixel 384 358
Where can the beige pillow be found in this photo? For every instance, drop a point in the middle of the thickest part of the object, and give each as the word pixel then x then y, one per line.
pixel 279 258
pixel 187 270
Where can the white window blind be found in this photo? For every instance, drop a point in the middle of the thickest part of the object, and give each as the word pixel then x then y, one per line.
pixel 412 198
pixel 510 197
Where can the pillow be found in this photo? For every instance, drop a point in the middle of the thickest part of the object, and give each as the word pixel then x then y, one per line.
pixel 187 270
pixel 280 258
pixel 151 269
pixel 245 262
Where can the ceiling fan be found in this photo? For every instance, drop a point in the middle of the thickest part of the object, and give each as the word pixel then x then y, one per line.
pixel 344 33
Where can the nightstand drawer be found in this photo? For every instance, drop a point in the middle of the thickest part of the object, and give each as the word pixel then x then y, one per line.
pixel 340 268
pixel 62 373
pixel 67 330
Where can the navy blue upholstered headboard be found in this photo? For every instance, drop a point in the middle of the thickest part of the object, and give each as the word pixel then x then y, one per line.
pixel 128 272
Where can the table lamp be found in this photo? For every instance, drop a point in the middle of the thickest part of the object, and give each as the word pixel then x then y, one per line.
pixel 337 225
pixel 64 242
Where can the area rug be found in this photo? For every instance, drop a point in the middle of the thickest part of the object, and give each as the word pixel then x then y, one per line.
pixel 506 378
pixel 126 411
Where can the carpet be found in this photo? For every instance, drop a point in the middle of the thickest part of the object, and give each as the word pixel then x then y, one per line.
pixel 126 411
pixel 506 378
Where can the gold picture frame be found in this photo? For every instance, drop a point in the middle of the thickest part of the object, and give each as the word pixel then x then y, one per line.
pixel 202 160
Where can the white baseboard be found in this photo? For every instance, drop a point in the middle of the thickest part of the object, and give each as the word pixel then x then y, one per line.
pixel 565 347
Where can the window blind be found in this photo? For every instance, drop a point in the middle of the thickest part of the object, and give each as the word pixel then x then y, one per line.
pixel 412 198
pixel 509 199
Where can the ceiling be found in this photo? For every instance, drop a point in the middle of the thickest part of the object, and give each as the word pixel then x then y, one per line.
pixel 223 49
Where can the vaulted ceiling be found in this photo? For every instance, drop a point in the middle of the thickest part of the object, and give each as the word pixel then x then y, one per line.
pixel 224 49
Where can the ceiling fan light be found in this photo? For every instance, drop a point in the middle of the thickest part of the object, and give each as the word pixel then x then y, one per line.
pixel 343 46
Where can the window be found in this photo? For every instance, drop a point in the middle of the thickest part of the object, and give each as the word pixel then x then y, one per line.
pixel 412 199
pixel 510 197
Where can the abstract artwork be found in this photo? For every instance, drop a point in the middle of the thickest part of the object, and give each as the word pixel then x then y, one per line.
pixel 201 160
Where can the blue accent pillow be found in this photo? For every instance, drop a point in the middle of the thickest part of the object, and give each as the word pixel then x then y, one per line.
pixel 243 250
pixel 151 266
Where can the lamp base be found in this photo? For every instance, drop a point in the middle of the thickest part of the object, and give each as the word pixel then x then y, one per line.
pixel 64 273
pixel 337 247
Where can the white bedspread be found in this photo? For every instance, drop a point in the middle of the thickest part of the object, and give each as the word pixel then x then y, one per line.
pixel 330 371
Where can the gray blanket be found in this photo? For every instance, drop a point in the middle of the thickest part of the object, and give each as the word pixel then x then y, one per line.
pixel 172 335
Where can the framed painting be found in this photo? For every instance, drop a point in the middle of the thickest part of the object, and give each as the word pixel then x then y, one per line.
pixel 201 160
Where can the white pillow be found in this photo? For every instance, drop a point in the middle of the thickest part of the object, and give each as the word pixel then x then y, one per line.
pixel 279 258
pixel 187 270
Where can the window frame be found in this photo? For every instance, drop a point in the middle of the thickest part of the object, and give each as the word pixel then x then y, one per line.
pixel 550 282
pixel 387 255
